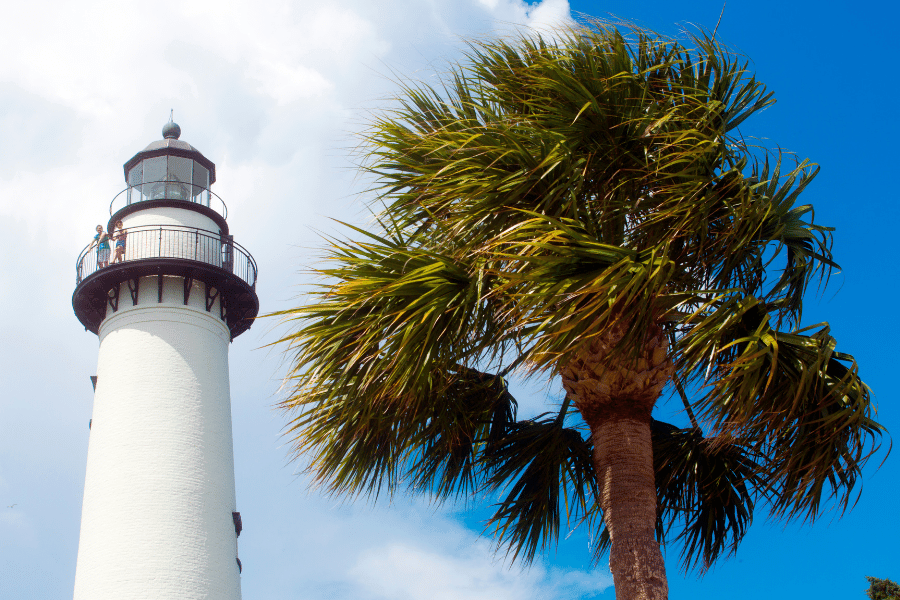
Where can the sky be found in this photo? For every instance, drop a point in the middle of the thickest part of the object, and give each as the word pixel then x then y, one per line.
pixel 274 93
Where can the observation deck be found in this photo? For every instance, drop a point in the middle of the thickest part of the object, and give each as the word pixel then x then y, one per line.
pixel 225 267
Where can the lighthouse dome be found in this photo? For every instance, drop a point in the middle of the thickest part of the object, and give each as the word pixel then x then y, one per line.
pixel 173 143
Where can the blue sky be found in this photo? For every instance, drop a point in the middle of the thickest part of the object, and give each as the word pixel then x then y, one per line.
pixel 272 93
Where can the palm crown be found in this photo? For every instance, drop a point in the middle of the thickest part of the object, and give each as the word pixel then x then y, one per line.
pixel 582 207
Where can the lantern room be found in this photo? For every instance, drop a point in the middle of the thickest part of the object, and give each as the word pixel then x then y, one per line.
pixel 169 169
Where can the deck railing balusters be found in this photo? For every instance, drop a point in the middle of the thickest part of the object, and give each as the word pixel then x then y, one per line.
pixel 172 242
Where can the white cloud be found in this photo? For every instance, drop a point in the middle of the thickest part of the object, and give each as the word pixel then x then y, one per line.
pixel 405 572
pixel 549 14
pixel 540 16
pixel 407 550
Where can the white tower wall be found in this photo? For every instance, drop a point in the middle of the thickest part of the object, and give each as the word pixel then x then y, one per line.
pixel 159 489
pixel 162 215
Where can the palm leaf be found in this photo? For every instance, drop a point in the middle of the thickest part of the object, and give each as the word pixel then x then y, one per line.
pixel 706 490
pixel 544 467
pixel 791 395
pixel 475 411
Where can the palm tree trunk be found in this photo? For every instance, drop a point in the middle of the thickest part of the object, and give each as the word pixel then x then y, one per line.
pixel 615 396
pixel 623 459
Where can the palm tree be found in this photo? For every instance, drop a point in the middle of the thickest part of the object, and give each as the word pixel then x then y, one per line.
pixel 582 207
pixel 882 589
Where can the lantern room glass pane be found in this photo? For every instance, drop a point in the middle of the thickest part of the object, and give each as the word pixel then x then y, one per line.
pixel 178 174
pixel 201 184
pixel 135 176
pixel 154 173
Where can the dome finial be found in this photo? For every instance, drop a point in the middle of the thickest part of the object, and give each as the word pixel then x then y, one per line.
pixel 171 130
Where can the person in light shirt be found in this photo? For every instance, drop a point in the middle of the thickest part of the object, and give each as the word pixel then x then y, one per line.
pixel 120 238
pixel 101 240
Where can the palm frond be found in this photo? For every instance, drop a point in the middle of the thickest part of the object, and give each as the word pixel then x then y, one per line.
pixel 472 415
pixel 791 396
pixel 545 468
pixel 560 287
pixel 354 372
pixel 706 490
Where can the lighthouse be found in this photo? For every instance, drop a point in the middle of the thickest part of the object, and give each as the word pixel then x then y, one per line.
pixel 159 517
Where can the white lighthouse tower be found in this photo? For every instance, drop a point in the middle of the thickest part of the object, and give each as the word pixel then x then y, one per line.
pixel 159 519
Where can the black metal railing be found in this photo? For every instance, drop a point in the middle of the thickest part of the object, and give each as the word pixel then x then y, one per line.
pixel 168 190
pixel 170 241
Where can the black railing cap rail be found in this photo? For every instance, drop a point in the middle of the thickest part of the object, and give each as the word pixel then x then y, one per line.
pixel 119 206
pixel 222 211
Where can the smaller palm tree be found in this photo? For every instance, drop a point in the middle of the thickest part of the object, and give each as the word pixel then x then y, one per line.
pixel 882 589
pixel 583 208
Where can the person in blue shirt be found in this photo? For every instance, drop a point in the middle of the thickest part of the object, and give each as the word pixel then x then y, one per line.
pixel 101 240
